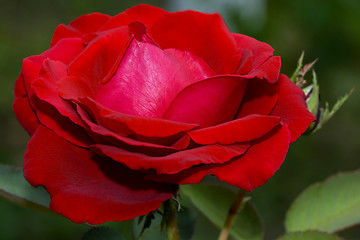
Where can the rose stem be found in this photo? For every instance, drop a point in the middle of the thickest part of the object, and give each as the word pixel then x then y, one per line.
pixel 233 210
pixel 171 223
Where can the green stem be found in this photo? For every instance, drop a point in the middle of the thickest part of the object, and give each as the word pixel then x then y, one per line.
pixel 171 223
pixel 233 210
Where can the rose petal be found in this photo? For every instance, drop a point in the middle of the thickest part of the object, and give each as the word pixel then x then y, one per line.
pixel 142 12
pixel 73 88
pixel 259 164
pixel 257 51
pixel 174 162
pixel 62 126
pixel 257 59
pixel 101 57
pixel 85 187
pixel 270 70
pixel 82 25
pixel 248 171
pixel 148 79
pixel 122 141
pixel 246 62
pixel 182 143
pixel 239 130
pixel 291 107
pixel 124 124
pixel 205 35
pixel 23 111
pixel 64 51
pixel 208 102
pixel 260 98
pixel 45 89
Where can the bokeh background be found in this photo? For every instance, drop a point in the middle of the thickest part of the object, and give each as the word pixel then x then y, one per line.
pixel 327 30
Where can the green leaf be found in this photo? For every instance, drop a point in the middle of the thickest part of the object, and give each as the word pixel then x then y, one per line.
pixel 328 206
pixel 147 221
pixel 102 233
pixel 15 188
pixel 295 76
pixel 123 227
pixel 186 218
pixel 298 76
pixel 185 221
pixel 313 96
pixel 214 202
pixel 153 232
pixel 312 93
pixel 309 235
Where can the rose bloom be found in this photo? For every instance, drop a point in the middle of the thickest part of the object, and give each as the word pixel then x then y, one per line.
pixel 122 109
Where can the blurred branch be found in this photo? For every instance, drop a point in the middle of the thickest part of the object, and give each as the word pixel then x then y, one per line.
pixel 225 231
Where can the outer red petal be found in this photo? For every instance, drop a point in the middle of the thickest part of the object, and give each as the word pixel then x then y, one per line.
pixel 45 89
pixel 106 135
pixel 257 59
pixel 205 35
pixel 260 98
pixel 248 171
pixel 22 108
pixel 144 13
pixel 124 124
pixel 148 79
pixel 208 102
pixel 85 187
pixel 291 107
pixel 175 162
pixel 259 163
pixel 259 52
pixel 63 126
pixel 82 25
pixel 64 51
pixel 270 70
pixel 239 130
pixel 101 57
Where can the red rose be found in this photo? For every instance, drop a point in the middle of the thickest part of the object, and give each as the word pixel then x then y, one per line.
pixel 120 107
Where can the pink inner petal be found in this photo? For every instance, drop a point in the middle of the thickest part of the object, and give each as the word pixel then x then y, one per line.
pixel 148 79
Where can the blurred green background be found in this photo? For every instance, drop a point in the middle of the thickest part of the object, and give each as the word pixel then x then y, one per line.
pixel 327 30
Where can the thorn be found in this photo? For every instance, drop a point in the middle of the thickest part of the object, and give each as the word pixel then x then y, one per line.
pixel 178 203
